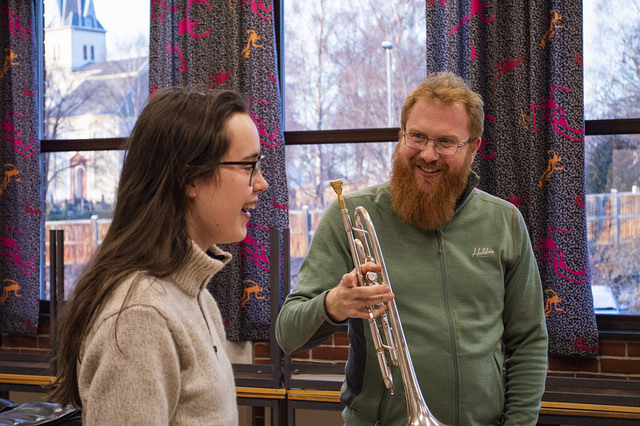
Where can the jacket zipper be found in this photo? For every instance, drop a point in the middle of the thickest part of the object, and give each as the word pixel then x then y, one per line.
pixel 382 408
pixel 452 337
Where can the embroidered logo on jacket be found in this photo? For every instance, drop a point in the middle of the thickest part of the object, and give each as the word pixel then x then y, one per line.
pixel 481 252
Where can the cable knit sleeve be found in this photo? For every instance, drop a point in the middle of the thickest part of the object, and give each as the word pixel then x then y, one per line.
pixel 133 378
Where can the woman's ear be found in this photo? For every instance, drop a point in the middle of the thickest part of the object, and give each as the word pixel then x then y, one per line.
pixel 190 189
pixel 188 184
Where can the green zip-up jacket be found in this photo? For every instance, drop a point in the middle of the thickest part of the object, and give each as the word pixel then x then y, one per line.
pixel 470 302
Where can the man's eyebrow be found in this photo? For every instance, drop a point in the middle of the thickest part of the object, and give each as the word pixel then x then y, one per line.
pixel 416 132
pixel 420 132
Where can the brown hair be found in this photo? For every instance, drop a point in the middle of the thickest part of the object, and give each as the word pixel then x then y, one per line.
pixel 448 88
pixel 179 136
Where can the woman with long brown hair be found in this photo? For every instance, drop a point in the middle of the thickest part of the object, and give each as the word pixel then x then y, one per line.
pixel 141 340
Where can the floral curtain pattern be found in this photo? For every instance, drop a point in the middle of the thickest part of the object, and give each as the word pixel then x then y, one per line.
pixel 231 45
pixel 525 59
pixel 19 157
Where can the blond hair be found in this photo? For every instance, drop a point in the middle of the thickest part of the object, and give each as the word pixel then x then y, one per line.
pixel 448 89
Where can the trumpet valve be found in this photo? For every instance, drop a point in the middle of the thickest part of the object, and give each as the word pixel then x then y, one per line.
pixel 371 278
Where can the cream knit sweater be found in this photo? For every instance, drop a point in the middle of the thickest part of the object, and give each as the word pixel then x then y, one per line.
pixel 167 365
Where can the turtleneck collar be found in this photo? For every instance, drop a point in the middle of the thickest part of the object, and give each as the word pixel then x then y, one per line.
pixel 199 268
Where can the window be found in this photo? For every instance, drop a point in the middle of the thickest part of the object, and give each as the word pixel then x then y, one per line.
pixel 339 95
pixel 84 101
pixel 347 66
pixel 612 85
pixel 612 150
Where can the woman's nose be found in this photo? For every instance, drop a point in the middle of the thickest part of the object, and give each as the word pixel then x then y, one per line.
pixel 261 184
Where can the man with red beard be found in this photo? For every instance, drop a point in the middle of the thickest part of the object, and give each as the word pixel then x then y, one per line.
pixel 464 277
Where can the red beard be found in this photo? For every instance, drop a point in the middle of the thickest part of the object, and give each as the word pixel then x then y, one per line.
pixel 426 210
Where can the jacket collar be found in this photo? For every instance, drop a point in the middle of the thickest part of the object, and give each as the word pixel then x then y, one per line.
pixel 472 182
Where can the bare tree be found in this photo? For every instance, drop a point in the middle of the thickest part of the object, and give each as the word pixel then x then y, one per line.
pixel 614 78
pixel 99 100
pixel 336 78
pixel 310 28
pixel 612 90
pixel 133 92
pixel 63 100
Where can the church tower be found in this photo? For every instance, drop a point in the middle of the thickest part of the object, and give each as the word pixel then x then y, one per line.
pixel 74 36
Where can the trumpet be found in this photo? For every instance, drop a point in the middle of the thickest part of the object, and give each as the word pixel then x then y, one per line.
pixel 390 344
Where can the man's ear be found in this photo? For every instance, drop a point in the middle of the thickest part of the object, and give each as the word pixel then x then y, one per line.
pixel 477 144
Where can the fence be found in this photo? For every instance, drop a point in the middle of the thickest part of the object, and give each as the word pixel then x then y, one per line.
pixel 81 237
pixel 612 219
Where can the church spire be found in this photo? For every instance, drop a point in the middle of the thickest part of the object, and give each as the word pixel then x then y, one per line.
pixel 74 36
pixel 76 13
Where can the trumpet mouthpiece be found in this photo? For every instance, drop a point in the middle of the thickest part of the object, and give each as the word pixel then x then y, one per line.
pixel 337 186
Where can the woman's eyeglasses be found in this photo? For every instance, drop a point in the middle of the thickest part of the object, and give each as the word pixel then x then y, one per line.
pixel 255 166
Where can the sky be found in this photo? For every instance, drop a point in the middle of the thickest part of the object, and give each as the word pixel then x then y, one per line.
pixel 124 21
pixel 602 47
pixel 589 19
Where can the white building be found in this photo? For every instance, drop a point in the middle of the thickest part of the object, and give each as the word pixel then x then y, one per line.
pixel 87 97
pixel 74 36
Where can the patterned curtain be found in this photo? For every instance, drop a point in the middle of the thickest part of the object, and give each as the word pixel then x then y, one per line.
pixel 231 45
pixel 525 58
pixel 19 157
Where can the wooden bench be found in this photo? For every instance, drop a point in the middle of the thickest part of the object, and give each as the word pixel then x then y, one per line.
pixel 24 372
pixel 567 401
pixel 570 413
pixel 311 399
pixel 274 398
pixel 587 401
pixel 24 382
pixel 252 396
pixel 312 386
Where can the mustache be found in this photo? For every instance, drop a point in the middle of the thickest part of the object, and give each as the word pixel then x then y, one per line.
pixel 433 165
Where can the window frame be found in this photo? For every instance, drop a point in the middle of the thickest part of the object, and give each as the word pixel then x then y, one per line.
pixel 609 326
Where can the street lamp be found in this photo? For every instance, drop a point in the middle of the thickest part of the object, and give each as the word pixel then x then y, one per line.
pixel 387 46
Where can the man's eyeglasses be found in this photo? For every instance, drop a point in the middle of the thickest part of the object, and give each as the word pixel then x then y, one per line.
pixel 255 166
pixel 443 146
